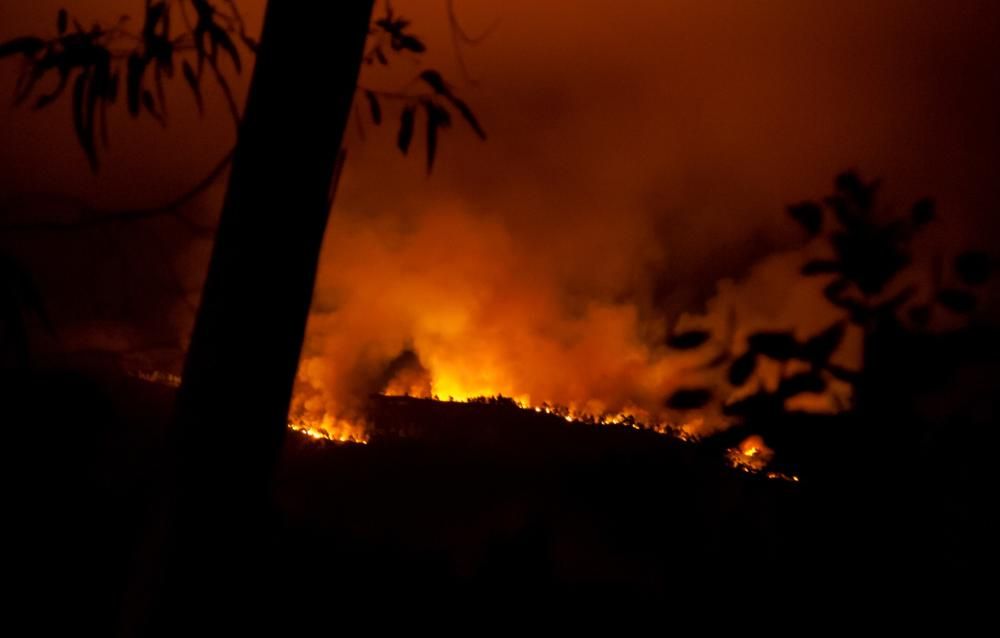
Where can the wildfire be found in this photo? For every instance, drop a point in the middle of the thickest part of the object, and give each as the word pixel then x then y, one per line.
pixel 326 429
pixel 158 377
pixel 634 418
pixel 342 432
pixel 753 456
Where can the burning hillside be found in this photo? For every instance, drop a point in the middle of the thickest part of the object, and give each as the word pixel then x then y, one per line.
pixel 456 306
pixel 396 415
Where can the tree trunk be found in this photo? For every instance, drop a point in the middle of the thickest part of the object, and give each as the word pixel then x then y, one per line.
pixel 231 412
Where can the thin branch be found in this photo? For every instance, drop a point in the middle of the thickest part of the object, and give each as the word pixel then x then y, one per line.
pixel 241 26
pixel 91 217
pixel 234 108
pixel 460 36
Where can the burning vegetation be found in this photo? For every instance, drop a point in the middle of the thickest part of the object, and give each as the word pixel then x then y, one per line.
pixel 752 456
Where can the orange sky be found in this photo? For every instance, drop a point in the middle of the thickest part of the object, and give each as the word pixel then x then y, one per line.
pixel 632 146
pixel 708 115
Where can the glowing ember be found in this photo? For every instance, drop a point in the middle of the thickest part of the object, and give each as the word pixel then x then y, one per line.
pixel 339 432
pixel 753 456
pixel 158 377
pixel 326 429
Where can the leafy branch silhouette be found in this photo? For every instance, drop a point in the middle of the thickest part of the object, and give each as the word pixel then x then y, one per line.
pixel 98 63
pixel 867 256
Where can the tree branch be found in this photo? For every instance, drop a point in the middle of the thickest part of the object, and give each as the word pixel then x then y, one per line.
pixel 91 217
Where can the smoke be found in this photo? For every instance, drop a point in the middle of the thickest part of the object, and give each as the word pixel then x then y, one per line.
pixel 455 305
pixel 638 162
pixel 633 185
pixel 474 312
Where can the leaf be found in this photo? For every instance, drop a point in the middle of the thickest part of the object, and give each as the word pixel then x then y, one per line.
pixel 689 399
pixel 136 66
pixel 922 212
pixel 435 81
pixel 843 374
pixel 956 300
pixel 920 315
pixel 405 135
pixel 809 215
pixel 742 368
pixel 780 346
pixel 163 53
pixel 49 98
pixel 834 294
pixel 102 73
pixel 821 267
pixel 411 43
pixel 374 107
pixel 833 290
pixel 62 22
pixel 437 118
pixel 92 98
pixel 757 405
pixel 161 95
pixel 894 303
pixel 819 348
pixel 83 117
pixel 222 39
pixel 27 46
pixel 973 267
pixel 113 87
pixel 154 12
pixel 850 185
pixel 804 382
pixel 688 340
pixel 149 103
pixel 468 116
pixel 192 80
pixel 717 361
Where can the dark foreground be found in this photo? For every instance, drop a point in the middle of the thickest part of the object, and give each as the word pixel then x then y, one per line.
pixel 481 506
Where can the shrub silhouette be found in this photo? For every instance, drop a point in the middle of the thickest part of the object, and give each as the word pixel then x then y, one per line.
pixel 902 354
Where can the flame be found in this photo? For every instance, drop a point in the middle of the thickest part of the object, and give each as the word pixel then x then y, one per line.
pixel 753 456
pixel 634 418
pixel 325 429
pixel 158 377
pixel 332 430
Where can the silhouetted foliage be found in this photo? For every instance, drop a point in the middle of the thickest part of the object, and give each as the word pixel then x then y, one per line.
pixel 689 399
pixel 780 346
pixel 742 368
pixel 405 135
pixel 689 340
pixel 809 214
pixel 973 267
pixel 100 62
pixel 956 300
pixel 868 254
pixel 819 348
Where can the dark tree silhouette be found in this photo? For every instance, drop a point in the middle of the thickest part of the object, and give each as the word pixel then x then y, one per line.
pixel 902 354
pixel 248 333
